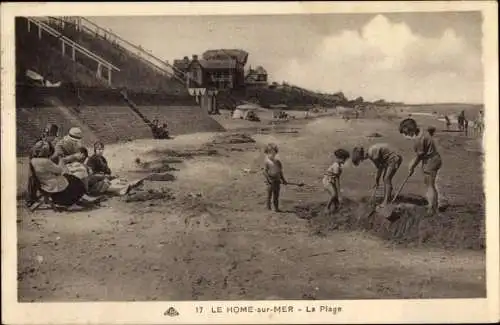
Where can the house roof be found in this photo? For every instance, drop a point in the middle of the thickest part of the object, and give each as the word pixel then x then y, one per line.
pixel 257 71
pixel 239 55
pixel 217 64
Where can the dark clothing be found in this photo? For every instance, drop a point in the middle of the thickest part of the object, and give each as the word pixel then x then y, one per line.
pixel 99 165
pixel 432 165
pixel 32 191
pixel 425 146
pixel 426 149
pixel 71 194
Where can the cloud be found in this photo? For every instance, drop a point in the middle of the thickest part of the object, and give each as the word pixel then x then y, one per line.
pixel 388 60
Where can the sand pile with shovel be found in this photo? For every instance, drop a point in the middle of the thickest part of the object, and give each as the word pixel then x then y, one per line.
pixel 458 227
pixel 233 138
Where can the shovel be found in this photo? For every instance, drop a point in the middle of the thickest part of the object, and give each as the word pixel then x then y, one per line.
pixel 374 192
pixel 388 210
pixel 371 201
pixel 296 184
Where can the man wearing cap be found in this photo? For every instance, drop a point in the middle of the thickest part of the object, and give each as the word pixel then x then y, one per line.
pixel 68 148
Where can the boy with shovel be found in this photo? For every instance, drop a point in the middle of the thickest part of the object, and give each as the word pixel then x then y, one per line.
pixel 273 173
pixel 427 154
pixel 386 160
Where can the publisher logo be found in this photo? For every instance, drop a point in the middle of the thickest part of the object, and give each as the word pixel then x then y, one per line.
pixel 171 312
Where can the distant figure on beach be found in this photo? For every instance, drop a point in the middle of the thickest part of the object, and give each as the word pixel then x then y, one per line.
pixel 461 121
pixel 448 122
pixel 479 123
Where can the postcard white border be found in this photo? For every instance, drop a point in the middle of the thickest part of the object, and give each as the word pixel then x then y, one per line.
pixel 353 311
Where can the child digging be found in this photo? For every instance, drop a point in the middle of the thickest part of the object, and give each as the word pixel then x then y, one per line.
pixel 386 160
pixel 273 172
pixel 331 179
pixel 427 154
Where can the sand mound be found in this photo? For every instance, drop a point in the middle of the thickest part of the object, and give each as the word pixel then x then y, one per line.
pixel 233 138
pixel 186 153
pixel 149 195
pixel 374 135
pixel 326 125
pixel 161 177
pixel 459 227
pixel 202 216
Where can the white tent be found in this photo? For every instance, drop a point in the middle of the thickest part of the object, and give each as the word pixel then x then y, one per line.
pixel 242 113
pixel 238 113
pixel 248 106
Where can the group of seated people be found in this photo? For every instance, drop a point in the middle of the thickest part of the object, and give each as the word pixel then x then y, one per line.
pixel 159 132
pixel 61 169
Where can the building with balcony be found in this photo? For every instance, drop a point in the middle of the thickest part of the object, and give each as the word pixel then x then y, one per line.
pixel 214 73
pixel 257 77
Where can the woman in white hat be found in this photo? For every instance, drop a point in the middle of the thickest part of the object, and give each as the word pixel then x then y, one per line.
pixel 68 148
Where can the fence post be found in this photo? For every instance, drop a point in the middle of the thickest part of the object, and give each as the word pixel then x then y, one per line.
pixel 39 32
pixel 109 76
pixel 63 47
pixel 29 26
pixel 73 54
pixel 99 70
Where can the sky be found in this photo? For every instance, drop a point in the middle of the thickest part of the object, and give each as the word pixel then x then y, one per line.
pixel 407 57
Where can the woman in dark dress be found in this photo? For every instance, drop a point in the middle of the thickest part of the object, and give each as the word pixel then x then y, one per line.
pixel 63 188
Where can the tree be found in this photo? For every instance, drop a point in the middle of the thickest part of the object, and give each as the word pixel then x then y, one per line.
pixel 359 100
pixel 340 95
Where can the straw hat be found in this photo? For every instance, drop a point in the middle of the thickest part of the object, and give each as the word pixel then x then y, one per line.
pixel 75 133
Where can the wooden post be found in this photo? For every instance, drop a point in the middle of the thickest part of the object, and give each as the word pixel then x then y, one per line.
pixel 39 32
pixel 109 75
pixel 214 103
pixel 29 26
pixel 73 55
pixel 99 70
pixel 63 47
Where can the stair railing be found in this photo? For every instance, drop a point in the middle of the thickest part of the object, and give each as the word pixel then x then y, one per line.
pixel 85 25
pixel 75 47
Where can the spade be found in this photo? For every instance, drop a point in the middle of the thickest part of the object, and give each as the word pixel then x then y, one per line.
pixel 372 203
pixel 388 210
pixel 296 184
